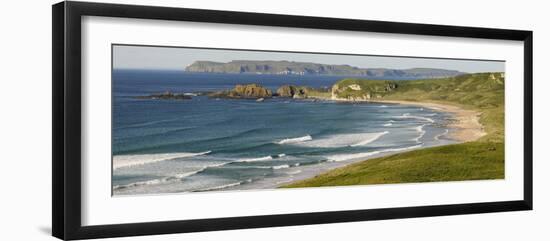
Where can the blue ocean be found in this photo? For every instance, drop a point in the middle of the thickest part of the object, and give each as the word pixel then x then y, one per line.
pixel 209 144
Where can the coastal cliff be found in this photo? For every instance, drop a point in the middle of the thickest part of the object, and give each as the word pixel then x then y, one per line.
pixel 293 91
pixel 306 68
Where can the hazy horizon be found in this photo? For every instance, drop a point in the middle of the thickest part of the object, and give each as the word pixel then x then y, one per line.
pixel 177 58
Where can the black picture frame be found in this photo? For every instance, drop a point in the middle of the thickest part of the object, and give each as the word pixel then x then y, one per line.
pixel 66 128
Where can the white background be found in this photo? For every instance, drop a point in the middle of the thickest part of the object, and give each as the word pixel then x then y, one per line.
pixel 25 126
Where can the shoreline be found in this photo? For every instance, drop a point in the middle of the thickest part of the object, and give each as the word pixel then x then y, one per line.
pixel 465 127
pixel 465 124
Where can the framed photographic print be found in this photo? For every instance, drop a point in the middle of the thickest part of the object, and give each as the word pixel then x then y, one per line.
pixel 170 120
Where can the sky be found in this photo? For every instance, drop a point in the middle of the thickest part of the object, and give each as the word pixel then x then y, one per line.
pixel 177 58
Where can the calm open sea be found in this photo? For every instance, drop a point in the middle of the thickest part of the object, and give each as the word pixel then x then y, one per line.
pixel 203 144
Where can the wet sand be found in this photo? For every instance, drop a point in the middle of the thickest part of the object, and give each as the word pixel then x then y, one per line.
pixel 464 126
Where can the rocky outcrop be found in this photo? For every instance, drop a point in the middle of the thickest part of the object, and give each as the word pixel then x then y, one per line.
pixel 354 91
pixel 249 91
pixel 166 96
pixel 292 91
pixel 286 91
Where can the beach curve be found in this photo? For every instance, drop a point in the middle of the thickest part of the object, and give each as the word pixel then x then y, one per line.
pixel 463 127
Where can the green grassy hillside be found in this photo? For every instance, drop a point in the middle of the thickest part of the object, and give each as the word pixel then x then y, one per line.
pixel 481 159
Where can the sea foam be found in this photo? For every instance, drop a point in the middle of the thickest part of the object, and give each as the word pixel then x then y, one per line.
pixel 370 139
pixel 295 140
pixel 168 179
pixel 280 167
pixel 343 140
pixel 120 161
pixel 221 186
pixel 409 116
pixel 437 138
pixel 265 158
pixel 419 129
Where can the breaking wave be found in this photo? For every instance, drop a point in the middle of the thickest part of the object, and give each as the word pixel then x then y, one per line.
pixel 374 137
pixel 280 167
pixel 295 140
pixel 343 140
pixel 409 116
pixel 437 138
pixel 265 158
pixel 120 161
pixel 419 129
pixel 221 186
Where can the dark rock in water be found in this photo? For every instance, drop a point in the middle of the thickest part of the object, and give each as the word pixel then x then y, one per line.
pixel 166 96
pixel 249 91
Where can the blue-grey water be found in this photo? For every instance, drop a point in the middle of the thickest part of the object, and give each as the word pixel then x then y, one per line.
pixel 203 144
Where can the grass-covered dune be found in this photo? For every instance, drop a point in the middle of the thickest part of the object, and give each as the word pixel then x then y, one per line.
pixel 476 160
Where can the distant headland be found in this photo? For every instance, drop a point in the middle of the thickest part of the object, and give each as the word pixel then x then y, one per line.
pixel 306 68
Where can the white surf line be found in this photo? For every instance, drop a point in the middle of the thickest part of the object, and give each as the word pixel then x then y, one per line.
pixel 223 186
pixel 295 140
pixel 169 179
pixel 422 133
pixel 371 139
pixel 409 116
pixel 120 161
pixel 442 134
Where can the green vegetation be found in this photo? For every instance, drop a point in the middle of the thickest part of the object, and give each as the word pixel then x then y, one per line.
pixel 467 161
pixel 481 159
pixel 482 92
pixel 318 93
pixel 300 92
pixel 247 91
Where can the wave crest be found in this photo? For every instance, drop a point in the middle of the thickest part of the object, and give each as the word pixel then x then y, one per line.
pixel 343 140
pixel 374 137
pixel 120 161
pixel 409 116
pixel 265 158
pixel 419 129
pixel 295 140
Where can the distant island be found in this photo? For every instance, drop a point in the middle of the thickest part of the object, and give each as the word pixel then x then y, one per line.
pixel 305 68
pixel 167 95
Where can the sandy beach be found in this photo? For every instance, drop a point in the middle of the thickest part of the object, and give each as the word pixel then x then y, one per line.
pixel 465 125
